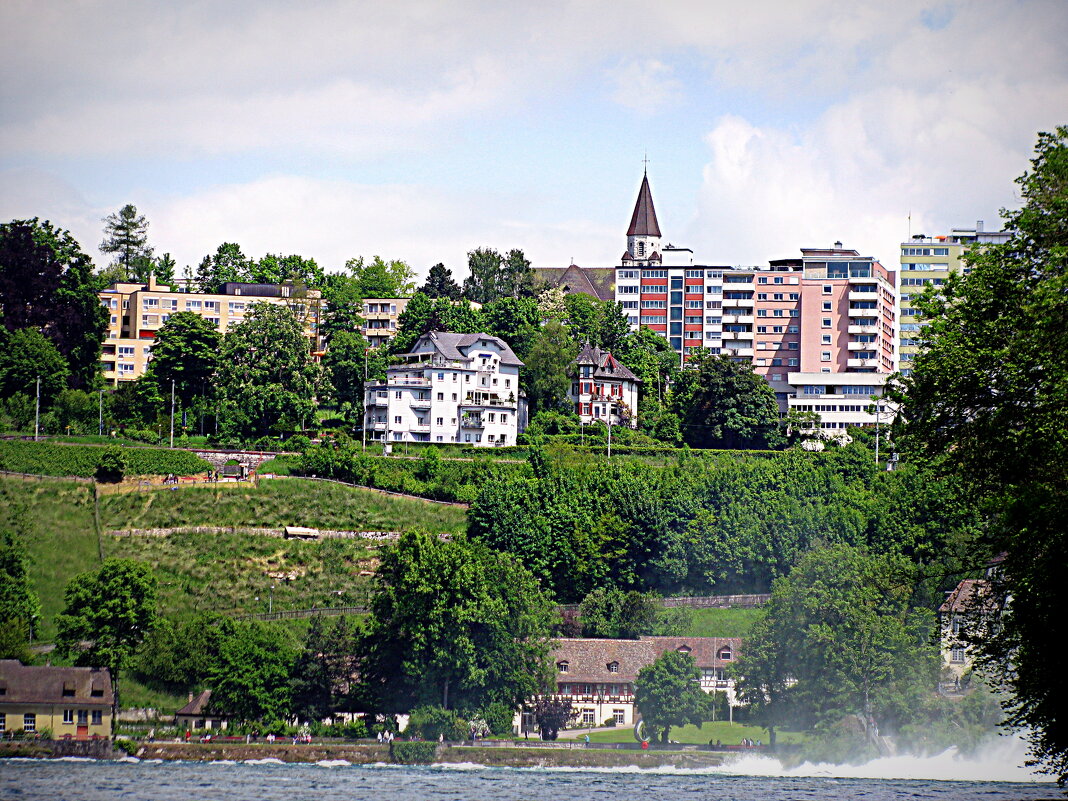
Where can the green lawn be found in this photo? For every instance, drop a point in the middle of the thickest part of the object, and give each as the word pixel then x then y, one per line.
pixel 727 733
pixel 57 517
pixel 281 502
pixel 733 622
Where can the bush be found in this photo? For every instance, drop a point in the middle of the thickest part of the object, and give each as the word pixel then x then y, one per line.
pixel 406 753
pixel 128 746
pixel 431 722
pixel 112 465
pixel 499 718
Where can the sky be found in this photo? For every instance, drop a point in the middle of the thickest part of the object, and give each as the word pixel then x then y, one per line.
pixel 420 130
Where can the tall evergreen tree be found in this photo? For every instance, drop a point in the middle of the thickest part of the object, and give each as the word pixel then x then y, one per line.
pixel 440 283
pixel 126 235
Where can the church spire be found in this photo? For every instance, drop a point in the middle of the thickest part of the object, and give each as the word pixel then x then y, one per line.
pixel 643 221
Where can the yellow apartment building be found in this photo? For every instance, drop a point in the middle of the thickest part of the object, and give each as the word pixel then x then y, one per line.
pixel 137 311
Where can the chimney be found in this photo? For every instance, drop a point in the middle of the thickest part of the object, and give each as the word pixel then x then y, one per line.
pixel 837 245
pixel 978 226
pixel 190 697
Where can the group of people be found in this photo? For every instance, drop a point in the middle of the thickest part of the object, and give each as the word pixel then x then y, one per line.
pixel 385 737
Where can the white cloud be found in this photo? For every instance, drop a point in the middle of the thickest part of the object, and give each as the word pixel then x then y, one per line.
pixel 646 86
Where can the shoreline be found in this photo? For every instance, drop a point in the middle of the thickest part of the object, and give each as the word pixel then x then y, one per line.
pixel 360 754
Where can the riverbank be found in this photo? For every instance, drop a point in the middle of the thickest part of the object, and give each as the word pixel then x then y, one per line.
pixel 517 756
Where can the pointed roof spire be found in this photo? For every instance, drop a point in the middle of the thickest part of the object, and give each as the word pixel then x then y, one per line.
pixel 643 221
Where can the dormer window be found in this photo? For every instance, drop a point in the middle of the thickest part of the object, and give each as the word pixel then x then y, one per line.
pixel 563 667
pixel 613 667
pixel 684 649
pixel 726 655
pixel 68 689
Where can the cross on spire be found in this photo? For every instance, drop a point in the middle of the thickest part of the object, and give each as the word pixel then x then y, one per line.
pixel 645 161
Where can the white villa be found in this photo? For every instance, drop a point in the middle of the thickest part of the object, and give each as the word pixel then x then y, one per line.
pixel 450 388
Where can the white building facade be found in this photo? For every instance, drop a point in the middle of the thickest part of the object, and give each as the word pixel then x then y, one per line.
pixel 451 388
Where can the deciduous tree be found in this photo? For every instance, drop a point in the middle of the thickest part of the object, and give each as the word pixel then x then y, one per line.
pixel 106 615
pixel 454 624
pixel 226 264
pixel 25 356
pixel 987 400
pixel 548 368
pixel 186 351
pixel 668 693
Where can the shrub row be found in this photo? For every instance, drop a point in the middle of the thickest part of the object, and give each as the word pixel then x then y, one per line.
pixel 54 459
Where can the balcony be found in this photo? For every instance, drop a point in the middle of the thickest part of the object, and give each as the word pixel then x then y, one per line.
pixel 467 421
pixel 863 329
pixel 862 362
pixel 855 295
pixel 377 425
pixel 863 312
pixel 409 382
pixel 380 399
pixel 419 427
pixel 738 318
pixel 738 335
pixel 738 351
pixel 420 403
pixel 862 345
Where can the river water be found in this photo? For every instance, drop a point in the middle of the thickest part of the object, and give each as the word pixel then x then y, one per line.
pixel 942 778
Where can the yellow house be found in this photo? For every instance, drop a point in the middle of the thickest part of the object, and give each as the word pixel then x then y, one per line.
pixel 72 703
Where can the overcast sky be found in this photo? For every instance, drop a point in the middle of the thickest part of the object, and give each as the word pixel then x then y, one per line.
pixel 421 130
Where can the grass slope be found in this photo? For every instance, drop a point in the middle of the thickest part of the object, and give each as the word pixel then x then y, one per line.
pixel 224 572
pixel 732 622
pixel 273 503
pixel 57 518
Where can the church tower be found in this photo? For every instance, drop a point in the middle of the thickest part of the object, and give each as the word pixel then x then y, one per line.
pixel 643 235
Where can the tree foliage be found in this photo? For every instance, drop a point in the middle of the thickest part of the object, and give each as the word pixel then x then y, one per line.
pixel 126 235
pixel 987 400
pixel 47 283
pixel 267 378
pixel 226 264
pixel 19 604
pixel 668 693
pixel 186 351
pixel 840 637
pixel 440 283
pixel 250 674
pixel 549 364
pixel 724 404
pixel 25 356
pixel 493 276
pixel 456 625
pixel 617 614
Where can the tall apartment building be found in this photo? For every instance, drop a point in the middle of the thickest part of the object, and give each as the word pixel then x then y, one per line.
pixel 830 311
pixel 927 261
pixel 450 388
pixel 138 311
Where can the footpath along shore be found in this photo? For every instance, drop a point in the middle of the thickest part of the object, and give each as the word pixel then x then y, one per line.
pixel 517 756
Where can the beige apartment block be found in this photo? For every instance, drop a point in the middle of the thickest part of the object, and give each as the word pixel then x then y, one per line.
pixel 137 311
pixel 928 261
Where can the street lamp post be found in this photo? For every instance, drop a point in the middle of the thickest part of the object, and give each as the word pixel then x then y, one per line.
pixel 363 422
pixel 100 413
pixel 37 412
pixel 172 412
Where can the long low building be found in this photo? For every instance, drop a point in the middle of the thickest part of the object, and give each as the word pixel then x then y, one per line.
pixel 61 702
pixel 598 676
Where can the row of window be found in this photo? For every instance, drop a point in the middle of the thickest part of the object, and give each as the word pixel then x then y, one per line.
pixel 924 251
pixel 83 716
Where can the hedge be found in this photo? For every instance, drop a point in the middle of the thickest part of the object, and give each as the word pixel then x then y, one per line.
pixel 55 459
pixel 407 753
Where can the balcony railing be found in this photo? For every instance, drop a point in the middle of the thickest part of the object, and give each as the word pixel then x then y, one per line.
pixel 472 422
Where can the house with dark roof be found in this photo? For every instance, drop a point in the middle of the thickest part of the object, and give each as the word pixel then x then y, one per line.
pixel 198 715
pixel 965 608
pixel 72 703
pixel 459 388
pixel 603 390
pixel 598 676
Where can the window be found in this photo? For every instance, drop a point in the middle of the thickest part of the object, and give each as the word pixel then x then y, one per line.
pixel 792 345
pixel 98 717
pixel 826 322
pixel 440 421
pixel 956 656
pixel 619 716
pixel 792 362
pixel 825 339
pixel 441 396
pixel 630 289
pixel 613 667
pixel 150 303
pixel 83 717
pixel 776 377
pixel 588 717
pixel 68 716
pixel 29 722
pixel 397 419
pixel 825 356
pixel 827 289
pixel 826 305
pixel 3 721
pixel 625 274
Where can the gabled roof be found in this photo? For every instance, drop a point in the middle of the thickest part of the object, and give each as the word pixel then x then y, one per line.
pixel 597 282
pixel 197 706
pixel 605 364
pixel 588 659
pixel 456 346
pixel 643 221
pixel 34 684
pixel 704 650
pixel 970 595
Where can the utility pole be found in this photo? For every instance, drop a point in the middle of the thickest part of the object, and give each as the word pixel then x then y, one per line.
pixel 609 421
pixel 37 412
pixel 172 412
pixel 100 414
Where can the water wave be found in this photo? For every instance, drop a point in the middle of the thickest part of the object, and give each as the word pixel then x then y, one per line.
pixel 333 763
pixel 264 761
